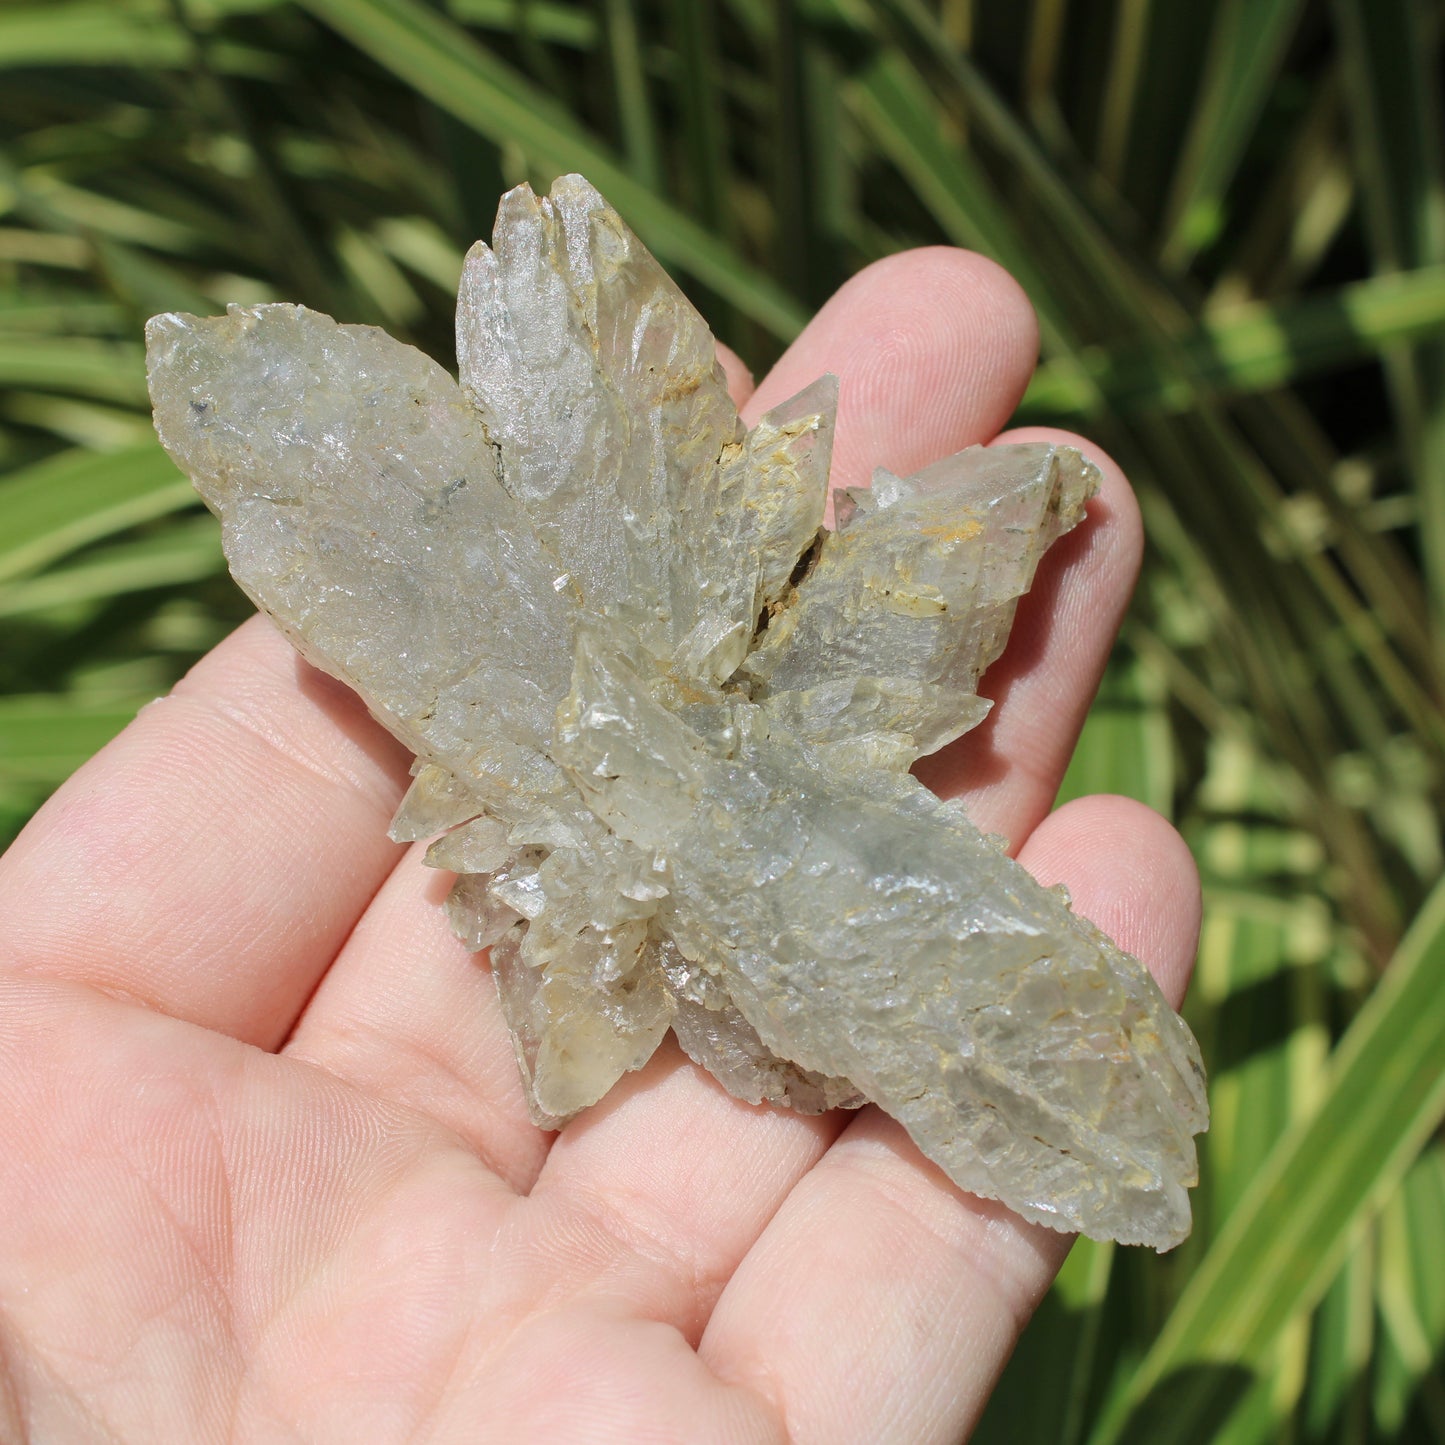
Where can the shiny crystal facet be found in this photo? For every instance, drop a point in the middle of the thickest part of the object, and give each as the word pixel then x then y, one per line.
pixel 663 720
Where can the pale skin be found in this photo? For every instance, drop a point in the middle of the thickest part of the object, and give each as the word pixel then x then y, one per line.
pixel 267 1174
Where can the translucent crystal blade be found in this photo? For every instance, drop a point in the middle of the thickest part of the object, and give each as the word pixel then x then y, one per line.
pixel 599 383
pixel 714 1034
pixel 436 799
pixel 663 723
pixel 361 508
pixel 575 1036
pixel 888 942
pixel 755 516
pixel 866 931
pixel 911 601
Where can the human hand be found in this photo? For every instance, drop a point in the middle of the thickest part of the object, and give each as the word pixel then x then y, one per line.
pixel 267 1170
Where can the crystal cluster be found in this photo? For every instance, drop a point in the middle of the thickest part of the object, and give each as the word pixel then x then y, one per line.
pixel 663 720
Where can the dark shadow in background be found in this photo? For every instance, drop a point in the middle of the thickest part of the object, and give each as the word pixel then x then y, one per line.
pixel 1053 1389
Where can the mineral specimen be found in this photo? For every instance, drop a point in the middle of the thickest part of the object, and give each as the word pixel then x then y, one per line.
pixel 663 720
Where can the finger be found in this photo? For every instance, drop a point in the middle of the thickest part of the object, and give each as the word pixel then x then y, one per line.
pixel 1008 769
pixel 932 350
pixel 740 380
pixel 408 1014
pixel 1147 901
pixel 882 1302
pixel 213 858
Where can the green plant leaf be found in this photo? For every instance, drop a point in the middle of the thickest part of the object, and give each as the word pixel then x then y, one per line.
pixel 1256 345
pixel 1390 55
pixel 1246 46
pixel 446 65
pixel 1342 1349
pixel 180 554
pixel 89 34
pixel 1279 1249
pixel 78 497
pixel 629 86
pixel 44 738
pixel 558 24
pixel 139 33
pixel 77 366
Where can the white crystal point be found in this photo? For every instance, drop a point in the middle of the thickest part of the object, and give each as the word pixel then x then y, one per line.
pixel 663 721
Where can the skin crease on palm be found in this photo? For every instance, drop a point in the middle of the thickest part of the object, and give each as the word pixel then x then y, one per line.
pixel 267 1170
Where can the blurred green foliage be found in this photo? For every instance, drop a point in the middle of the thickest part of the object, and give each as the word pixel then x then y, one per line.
pixel 1230 216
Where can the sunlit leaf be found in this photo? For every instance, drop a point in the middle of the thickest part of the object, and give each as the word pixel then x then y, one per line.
pixel 78 497
pixel 448 67
pixel 1327 1177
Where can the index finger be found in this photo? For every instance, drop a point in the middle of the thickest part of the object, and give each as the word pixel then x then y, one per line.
pixel 213 858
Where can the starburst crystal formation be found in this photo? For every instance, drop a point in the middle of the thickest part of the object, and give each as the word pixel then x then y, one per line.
pixel 663 720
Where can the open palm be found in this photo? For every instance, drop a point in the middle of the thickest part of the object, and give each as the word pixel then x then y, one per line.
pixel 265 1168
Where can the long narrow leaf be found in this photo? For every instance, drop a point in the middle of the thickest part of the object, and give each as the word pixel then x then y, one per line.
pixel 1251 347
pixel 43 739
pixel 629 87
pixel 1246 48
pixel 1280 1248
pixel 1390 55
pixel 64 503
pixel 180 554
pixel 558 24
pixel 445 64
pixel 78 366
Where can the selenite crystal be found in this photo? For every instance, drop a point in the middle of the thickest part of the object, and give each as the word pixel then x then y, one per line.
pixel 663 720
